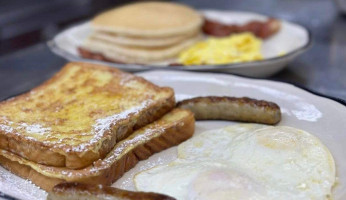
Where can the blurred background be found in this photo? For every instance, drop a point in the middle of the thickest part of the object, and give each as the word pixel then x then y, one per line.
pixel 25 25
pixel 26 22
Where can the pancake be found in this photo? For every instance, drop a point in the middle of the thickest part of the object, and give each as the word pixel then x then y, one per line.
pixel 149 19
pixel 134 54
pixel 141 42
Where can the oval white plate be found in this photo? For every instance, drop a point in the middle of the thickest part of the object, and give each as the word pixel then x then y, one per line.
pixel 320 116
pixel 291 40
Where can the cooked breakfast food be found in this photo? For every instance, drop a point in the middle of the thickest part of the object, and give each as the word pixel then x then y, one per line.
pixel 77 117
pixel 95 56
pixel 262 29
pixel 164 33
pixel 232 108
pixel 148 20
pixel 78 191
pixel 137 55
pixel 145 32
pixel 243 47
pixel 246 161
pixel 170 130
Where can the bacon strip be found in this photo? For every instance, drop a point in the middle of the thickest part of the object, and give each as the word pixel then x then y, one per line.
pixel 261 29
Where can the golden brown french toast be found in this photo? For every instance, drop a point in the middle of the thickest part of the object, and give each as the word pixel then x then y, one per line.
pixel 80 191
pixel 173 128
pixel 78 115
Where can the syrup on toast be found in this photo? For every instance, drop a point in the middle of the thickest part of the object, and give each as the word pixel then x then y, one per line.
pixel 172 129
pixel 79 191
pixel 78 115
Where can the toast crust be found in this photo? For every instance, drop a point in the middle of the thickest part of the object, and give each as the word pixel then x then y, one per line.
pixel 32 125
pixel 172 129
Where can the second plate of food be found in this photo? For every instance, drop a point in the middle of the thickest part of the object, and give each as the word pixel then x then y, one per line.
pixel 243 43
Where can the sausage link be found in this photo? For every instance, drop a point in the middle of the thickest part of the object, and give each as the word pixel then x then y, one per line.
pixel 231 108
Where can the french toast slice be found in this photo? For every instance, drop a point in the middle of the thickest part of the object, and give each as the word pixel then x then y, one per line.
pixel 78 115
pixel 79 191
pixel 173 128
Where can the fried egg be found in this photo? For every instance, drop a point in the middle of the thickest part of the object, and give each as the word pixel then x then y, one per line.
pixel 247 161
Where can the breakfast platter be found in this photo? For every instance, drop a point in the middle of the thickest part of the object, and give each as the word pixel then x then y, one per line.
pixel 95 131
pixel 321 117
pixel 278 50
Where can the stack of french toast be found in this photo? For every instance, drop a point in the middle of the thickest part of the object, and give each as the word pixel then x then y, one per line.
pixel 88 124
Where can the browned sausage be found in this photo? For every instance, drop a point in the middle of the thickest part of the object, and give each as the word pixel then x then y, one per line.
pixel 232 108
pixel 75 191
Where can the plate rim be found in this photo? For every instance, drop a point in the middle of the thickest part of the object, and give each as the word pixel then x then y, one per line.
pixel 286 83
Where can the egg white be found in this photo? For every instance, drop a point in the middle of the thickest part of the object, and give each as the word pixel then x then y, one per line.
pixel 247 161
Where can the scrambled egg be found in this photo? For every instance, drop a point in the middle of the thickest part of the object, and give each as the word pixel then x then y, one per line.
pixel 236 48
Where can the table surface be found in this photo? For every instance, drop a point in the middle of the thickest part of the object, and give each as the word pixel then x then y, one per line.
pixel 321 69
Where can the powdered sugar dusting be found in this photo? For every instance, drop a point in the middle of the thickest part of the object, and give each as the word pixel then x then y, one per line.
pixel 6 128
pixel 139 138
pixel 105 124
pixel 125 79
pixel 34 128
pixel 120 149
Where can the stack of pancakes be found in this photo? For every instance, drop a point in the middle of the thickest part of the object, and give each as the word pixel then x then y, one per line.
pixel 145 33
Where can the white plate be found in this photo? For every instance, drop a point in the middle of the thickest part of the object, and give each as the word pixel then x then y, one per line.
pixel 320 116
pixel 291 40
